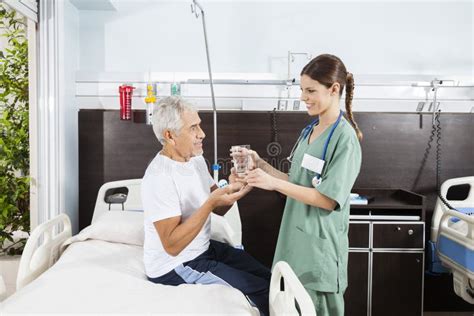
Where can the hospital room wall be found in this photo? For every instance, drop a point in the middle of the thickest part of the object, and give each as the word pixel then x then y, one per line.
pixel 427 37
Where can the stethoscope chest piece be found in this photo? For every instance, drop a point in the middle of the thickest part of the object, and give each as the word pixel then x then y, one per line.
pixel 316 181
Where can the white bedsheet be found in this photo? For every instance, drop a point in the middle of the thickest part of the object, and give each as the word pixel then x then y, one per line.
pixel 96 276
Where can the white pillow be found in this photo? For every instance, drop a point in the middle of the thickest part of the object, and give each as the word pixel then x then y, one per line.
pixel 116 226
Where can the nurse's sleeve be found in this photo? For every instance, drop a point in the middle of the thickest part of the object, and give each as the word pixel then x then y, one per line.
pixel 341 171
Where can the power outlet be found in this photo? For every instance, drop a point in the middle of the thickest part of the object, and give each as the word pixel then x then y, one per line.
pixel 282 105
pixel 296 105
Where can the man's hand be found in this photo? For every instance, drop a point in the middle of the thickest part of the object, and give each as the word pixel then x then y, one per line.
pixel 228 195
pixel 234 178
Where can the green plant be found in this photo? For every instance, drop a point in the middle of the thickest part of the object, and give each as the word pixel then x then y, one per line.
pixel 14 146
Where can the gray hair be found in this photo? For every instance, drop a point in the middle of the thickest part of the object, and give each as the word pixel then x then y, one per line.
pixel 167 115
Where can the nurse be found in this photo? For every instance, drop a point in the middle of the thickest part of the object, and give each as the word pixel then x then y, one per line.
pixel 325 163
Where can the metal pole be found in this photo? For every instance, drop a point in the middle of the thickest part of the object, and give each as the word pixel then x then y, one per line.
pixel 435 83
pixel 215 167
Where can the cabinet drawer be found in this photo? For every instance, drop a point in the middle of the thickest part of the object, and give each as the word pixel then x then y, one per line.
pixel 359 235
pixel 398 235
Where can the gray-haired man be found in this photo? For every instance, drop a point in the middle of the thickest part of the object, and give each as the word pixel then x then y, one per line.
pixel 178 196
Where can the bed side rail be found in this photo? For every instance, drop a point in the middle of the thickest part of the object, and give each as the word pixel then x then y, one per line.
pixel 42 249
pixel 283 302
pixel 440 207
pixel 445 225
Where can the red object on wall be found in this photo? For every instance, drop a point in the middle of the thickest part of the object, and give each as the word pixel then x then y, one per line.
pixel 126 92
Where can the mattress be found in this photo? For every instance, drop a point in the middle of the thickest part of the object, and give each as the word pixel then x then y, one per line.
pixel 97 276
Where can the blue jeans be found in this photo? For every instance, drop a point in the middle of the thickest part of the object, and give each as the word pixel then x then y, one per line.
pixel 223 264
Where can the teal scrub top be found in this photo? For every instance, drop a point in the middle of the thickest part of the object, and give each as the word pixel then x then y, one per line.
pixel 312 240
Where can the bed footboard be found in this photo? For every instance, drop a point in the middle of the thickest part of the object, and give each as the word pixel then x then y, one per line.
pixel 456 249
pixel 42 249
pixel 285 302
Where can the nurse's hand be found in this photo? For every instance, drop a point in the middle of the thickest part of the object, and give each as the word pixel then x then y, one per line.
pixel 239 155
pixel 260 179
pixel 234 177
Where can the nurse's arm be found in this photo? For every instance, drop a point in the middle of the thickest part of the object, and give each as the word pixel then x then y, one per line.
pixel 265 166
pixel 305 195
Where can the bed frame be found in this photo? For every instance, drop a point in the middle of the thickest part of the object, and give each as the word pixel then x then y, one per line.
pixel 455 246
pixel 44 248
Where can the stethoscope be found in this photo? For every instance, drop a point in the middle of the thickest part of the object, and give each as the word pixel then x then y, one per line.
pixel 306 131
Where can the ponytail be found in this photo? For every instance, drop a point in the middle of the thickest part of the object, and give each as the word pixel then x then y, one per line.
pixel 349 96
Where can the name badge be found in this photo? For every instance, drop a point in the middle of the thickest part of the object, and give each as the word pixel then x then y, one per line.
pixel 312 163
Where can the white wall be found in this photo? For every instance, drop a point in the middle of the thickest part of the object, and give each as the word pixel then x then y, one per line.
pixel 380 42
pixel 386 37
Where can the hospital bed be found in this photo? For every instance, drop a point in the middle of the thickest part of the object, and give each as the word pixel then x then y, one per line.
pixel 101 270
pixel 452 236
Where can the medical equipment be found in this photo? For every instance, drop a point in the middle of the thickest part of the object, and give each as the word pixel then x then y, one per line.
pixel 150 100
pixel 306 131
pixel 452 240
pixel 215 166
pixel 222 183
pixel 176 88
pixel 290 81
pixel 101 270
pixel 125 92
pixel 452 235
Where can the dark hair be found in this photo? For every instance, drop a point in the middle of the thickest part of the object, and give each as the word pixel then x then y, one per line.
pixel 328 69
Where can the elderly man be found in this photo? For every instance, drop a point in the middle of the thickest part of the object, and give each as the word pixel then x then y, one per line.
pixel 178 195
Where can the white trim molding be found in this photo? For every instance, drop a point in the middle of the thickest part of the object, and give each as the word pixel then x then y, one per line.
pixel 33 121
pixel 28 8
pixel 57 140
pixel 48 112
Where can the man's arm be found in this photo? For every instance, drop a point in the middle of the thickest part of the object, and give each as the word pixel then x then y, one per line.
pixel 175 235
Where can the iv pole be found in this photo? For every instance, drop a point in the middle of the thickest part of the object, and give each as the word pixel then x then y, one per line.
pixel 215 166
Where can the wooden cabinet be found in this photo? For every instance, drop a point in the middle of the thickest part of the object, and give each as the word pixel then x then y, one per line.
pixel 397 283
pixel 357 294
pixel 386 255
pixel 398 235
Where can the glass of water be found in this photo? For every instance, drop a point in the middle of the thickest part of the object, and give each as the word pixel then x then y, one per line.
pixel 241 159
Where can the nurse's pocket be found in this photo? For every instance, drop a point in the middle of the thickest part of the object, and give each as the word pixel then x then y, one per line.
pixel 308 176
pixel 310 253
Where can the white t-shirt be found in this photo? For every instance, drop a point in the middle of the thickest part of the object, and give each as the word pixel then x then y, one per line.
pixel 171 188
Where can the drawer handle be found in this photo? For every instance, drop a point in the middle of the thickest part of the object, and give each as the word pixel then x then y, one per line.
pixel 399 228
pixel 410 232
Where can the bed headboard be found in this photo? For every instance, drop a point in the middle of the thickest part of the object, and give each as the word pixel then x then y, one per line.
pixel 128 191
